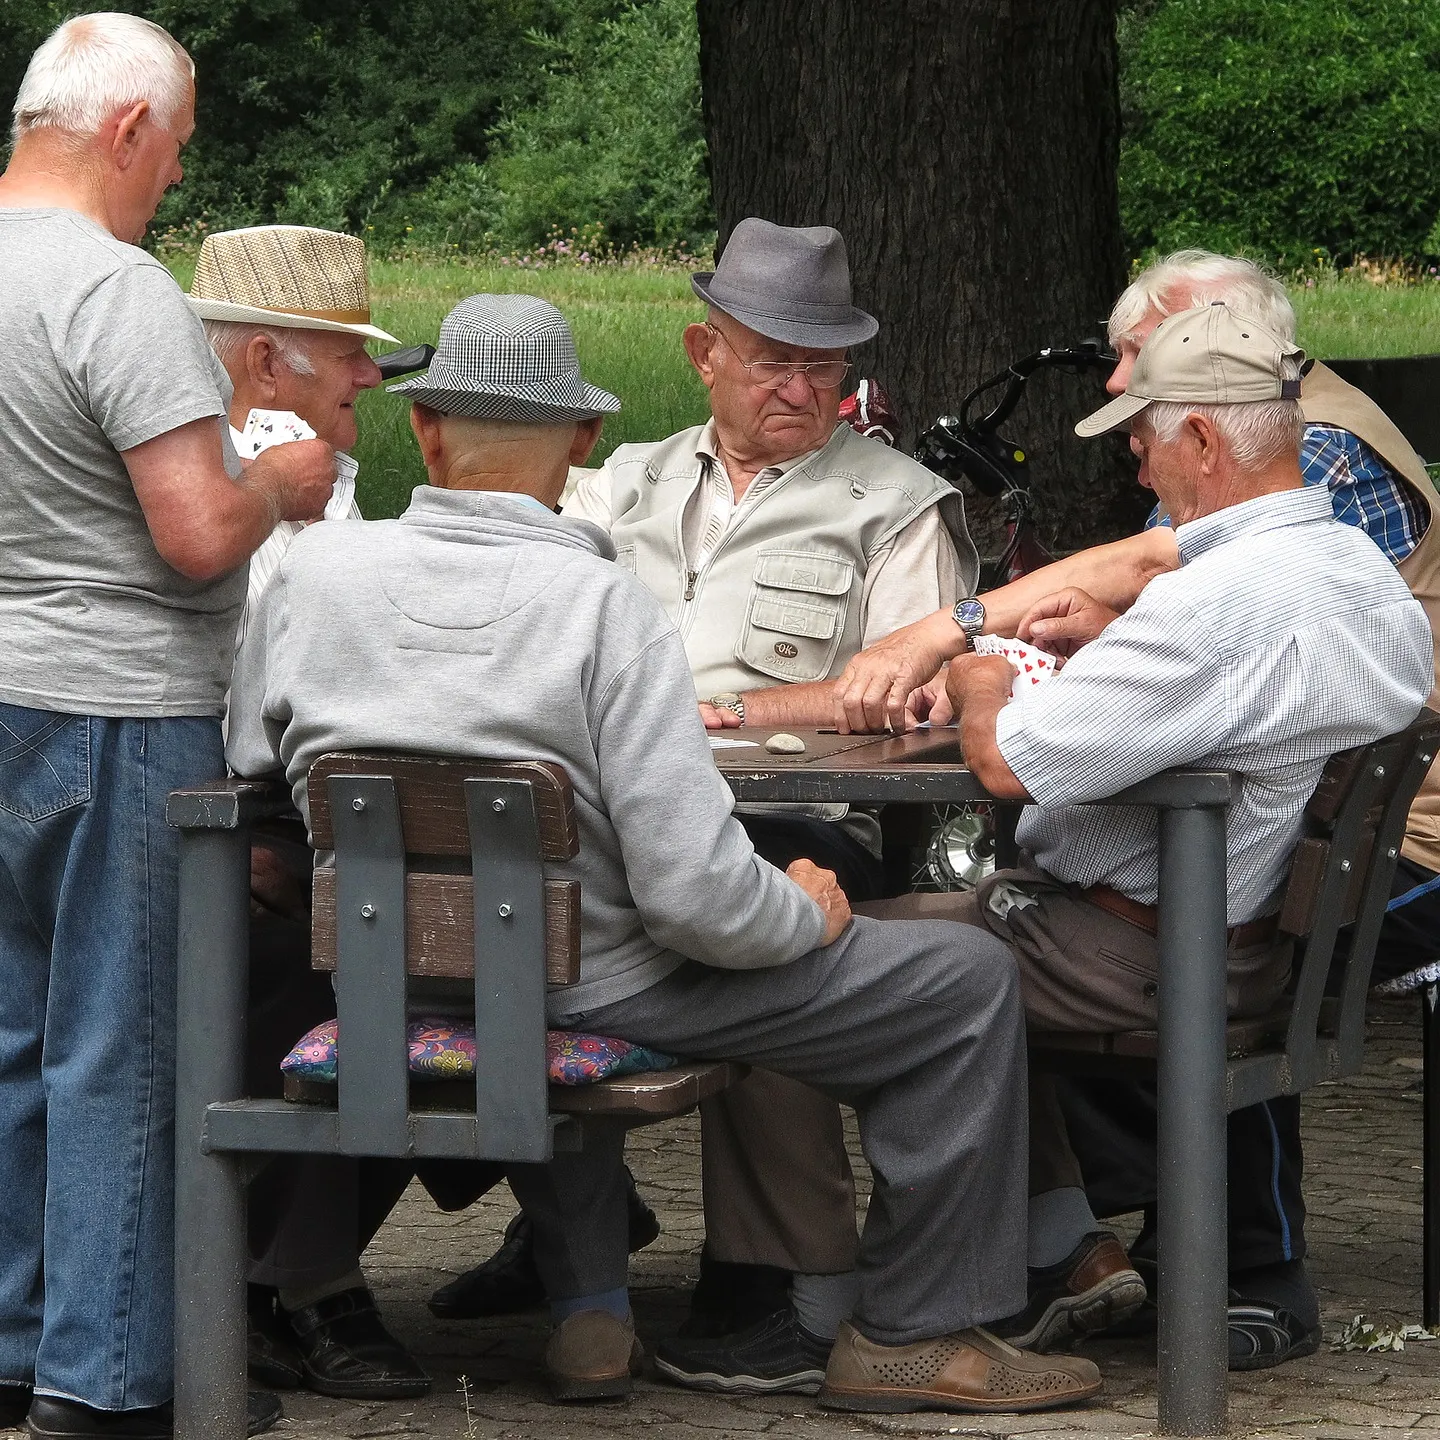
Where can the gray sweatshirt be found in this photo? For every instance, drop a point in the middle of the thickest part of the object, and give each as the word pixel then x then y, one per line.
pixel 480 624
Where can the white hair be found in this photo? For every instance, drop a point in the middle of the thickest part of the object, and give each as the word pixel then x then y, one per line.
pixel 228 339
pixel 1197 277
pixel 1255 432
pixel 97 64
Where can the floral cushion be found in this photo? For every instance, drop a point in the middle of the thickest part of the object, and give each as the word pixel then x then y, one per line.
pixel 444 1049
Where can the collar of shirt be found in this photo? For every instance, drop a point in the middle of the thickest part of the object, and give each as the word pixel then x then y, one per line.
pixel 708 448
pixel 1302 506
pixel 496 510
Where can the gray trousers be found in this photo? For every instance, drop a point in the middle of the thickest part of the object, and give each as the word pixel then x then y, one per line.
pixel 918 1026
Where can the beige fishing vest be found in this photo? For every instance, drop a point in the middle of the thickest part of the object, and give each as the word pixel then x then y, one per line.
pixel 779 600
pixel 1326 399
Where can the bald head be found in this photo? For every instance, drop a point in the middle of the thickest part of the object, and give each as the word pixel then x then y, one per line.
pixel 508 456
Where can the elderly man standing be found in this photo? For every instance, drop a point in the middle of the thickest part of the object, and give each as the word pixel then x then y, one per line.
pixel 128 525
pixel 1283 637
pixel 779 542
pixel 482 624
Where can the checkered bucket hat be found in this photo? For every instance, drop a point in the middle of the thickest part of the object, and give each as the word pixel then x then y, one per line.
pixel 507 357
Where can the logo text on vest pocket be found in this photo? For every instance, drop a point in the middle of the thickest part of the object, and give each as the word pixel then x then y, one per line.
pixel 786 650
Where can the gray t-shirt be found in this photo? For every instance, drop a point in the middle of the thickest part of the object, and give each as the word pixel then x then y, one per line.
pixel 99 352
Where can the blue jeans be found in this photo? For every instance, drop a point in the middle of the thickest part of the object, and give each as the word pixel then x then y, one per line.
pixel 87 1049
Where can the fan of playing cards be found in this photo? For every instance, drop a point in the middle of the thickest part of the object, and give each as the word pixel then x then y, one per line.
pixel 1032 665
pixel 264 428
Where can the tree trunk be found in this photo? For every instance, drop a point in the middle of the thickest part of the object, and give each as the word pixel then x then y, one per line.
pixel 966 149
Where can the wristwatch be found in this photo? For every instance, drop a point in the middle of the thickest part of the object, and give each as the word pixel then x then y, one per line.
pixel 969 615
pixel 729 700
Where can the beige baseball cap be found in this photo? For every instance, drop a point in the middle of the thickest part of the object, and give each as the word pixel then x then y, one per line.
pixel 1205 356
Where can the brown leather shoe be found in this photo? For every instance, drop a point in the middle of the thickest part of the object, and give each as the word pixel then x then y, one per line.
pixel 1093 1287
pixel 593 1356
pixel 966 1372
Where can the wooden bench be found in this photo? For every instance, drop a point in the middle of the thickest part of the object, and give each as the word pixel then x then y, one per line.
pixel 438 890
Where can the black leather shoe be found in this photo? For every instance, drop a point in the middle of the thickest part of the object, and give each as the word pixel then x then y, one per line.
pixel 54 1419
pixel 508 1282
pixel 271 1356
pixel 505 1284
pixel 348 1353
pixel 14 1405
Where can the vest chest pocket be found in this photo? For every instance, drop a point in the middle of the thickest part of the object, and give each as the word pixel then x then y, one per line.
pixel 625 558
pixel 796 617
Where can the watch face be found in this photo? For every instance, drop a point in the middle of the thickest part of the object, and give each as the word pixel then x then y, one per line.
pixel 970 615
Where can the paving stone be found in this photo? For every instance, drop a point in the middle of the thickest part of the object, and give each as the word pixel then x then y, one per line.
pixel 1363 1186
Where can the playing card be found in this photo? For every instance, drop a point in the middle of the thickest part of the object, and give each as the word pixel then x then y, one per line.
pixel 264 428
pixel 1032 665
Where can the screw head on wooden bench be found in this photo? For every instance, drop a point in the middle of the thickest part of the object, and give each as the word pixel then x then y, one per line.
pixel 357 803
pixel 504 912
pixel 497 806
pixel 367 912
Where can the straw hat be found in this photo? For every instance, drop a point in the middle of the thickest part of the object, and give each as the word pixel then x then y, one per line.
pixel 293 276
pixel 508 357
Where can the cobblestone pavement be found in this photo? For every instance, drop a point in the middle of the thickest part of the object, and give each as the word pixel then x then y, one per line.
pixel 1363 1162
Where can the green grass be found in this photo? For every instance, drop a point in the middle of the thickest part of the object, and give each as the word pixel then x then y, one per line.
pixel 1353 319
pixel 627 325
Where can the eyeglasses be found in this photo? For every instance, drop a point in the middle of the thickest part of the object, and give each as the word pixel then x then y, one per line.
pixel 773 374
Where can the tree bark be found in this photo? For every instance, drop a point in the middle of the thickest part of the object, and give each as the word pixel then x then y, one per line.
pixel 967 150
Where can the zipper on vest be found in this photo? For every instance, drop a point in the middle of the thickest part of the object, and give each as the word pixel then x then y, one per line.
pixel 690 578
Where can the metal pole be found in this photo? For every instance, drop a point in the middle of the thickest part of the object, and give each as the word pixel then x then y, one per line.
pixel 209 1188
pixel 1430 1210
pixel 1193 1268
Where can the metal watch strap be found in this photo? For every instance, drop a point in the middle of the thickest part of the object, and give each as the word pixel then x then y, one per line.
pixel 728 700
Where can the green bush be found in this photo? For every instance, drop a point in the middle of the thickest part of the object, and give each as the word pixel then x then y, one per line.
pixel 615 139
pixel 1282 126
pixel 329 112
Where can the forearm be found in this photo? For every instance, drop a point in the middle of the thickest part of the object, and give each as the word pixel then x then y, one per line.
pixel 809 705
pixel 982 752
pixel 1114 574
pixel 225 524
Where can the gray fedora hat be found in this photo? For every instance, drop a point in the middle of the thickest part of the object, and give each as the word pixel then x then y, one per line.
pixel 507 357
pixel 788 282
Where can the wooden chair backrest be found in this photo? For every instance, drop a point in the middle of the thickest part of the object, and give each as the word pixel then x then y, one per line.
pixel 439 888
pixel 439 868
pixel 1341 875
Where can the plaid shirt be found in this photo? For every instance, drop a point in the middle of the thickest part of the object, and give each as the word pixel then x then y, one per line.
pixel 1364 490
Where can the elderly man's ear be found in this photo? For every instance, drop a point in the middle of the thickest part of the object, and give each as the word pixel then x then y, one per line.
pixel 699 340
pixel 262 362
pixel 587 437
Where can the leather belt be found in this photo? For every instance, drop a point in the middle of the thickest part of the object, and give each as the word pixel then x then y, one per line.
pixel 1147 917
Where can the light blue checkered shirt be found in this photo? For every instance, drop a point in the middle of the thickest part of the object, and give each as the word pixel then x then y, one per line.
pixel 1284 637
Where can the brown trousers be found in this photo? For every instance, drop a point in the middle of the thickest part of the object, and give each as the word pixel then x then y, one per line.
pixel 777 1178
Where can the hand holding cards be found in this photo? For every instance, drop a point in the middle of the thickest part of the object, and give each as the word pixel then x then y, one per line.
pixel 266 428
pixel 1032 665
